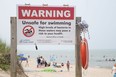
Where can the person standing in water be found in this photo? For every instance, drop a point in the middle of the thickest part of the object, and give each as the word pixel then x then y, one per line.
pixel 68 65
pixel 114 70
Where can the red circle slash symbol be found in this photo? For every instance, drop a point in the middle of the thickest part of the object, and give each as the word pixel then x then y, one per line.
pixel 28 31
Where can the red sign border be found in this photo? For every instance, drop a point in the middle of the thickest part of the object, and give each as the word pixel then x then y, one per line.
pixel 25 34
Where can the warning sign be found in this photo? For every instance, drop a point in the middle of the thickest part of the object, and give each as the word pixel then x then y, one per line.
pixel 28 31
pixel 45 25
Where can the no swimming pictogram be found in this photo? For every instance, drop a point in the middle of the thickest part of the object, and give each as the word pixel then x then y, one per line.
pixel 28 31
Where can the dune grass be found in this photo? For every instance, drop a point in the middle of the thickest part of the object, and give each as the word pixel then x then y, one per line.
pixel 4 56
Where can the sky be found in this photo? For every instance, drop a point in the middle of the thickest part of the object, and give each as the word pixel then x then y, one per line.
pixel 99 14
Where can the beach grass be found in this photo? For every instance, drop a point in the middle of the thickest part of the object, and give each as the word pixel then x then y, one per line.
pixel 4 56
pixel 4 67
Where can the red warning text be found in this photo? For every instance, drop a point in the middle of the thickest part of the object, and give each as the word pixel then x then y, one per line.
pixel 33 12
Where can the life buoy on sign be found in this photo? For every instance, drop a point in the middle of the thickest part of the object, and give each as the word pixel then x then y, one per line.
pixel 84 53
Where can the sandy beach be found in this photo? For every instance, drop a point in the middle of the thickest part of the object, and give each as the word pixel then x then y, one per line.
pixel 97 72
pixel 90 72
pixel 32 71
pixel 4 74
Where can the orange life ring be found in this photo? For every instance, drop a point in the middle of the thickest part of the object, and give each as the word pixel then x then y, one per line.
pixel 84 53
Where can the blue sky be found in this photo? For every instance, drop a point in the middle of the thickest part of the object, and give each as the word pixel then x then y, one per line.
pixel 99 14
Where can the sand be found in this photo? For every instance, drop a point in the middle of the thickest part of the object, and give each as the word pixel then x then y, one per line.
pixel 4 74
pixel 33 71
pixel 90 72
pixel 97 72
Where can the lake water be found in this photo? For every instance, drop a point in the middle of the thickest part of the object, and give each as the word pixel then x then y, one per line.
pixel 97 58
pixel 102 58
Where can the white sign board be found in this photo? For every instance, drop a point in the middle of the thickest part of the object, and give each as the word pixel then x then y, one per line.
pixel 45 25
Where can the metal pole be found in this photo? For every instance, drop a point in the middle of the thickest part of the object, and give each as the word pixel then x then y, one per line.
pixel 77 49
pixel 13 51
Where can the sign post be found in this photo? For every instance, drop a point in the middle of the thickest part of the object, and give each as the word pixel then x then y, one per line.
pixel 13 51
pixel 77 49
